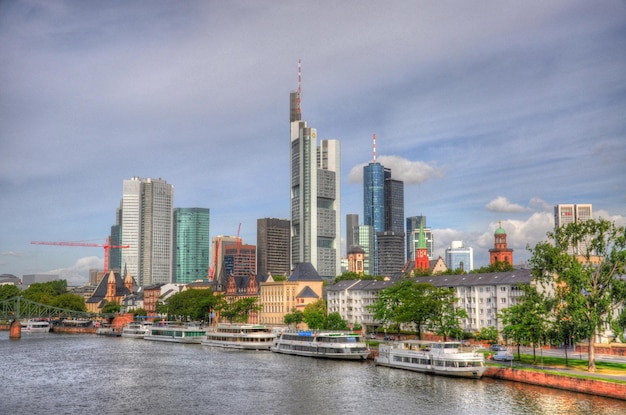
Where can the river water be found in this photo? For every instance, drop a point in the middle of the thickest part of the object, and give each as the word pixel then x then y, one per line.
pixel 90 374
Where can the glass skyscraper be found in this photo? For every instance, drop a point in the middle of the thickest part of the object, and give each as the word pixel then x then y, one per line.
pixel 191 244
pixel 147 214
pixel 315 197
pixel 374 196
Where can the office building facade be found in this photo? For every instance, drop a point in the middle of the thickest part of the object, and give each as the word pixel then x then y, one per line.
pixel 147 226
pixel 272 242
pixel 570 213
pixel 315 197
pixel 192 244
pixel 459 257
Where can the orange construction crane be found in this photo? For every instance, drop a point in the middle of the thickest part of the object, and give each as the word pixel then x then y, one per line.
pixel 212 269
pixel 106 247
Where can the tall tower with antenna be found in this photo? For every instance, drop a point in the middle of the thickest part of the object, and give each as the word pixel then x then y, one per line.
pixel 315 194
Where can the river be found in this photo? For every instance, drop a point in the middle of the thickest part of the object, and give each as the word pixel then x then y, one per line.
pixel 90 374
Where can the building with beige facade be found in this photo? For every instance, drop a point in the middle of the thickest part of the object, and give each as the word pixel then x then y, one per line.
pixel 279 298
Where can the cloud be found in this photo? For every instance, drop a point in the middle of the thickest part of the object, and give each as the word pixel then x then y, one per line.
pixel 410 172
pixel 502 204
pixel 74 274
pixel 11 254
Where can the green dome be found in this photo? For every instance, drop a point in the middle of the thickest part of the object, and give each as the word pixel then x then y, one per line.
pixel 500 231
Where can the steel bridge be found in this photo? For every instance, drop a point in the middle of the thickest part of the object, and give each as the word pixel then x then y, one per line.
pixel 18 308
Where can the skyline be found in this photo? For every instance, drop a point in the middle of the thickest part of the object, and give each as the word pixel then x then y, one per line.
pixel 490 111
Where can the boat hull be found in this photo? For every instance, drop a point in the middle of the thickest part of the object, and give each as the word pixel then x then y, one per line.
pixel 236 345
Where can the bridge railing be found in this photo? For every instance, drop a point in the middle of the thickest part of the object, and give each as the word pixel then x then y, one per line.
pixel 18 308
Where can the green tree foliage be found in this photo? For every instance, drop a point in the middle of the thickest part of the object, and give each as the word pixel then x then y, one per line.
pixel 8 291
pixel 44 292
pixel 238 311
pixel 190 305
pixel 315 314
pixel 295 317
pixel 335 322
pixel 69 301
pixel 111 307
pixel 349 275
pixel 446 320
pixel 488 334
pixel 407 302
pixel 528 321
pixel 588 285
pixel 498 266
pixel 139 312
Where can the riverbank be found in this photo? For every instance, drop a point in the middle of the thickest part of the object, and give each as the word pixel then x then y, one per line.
pixel 599 386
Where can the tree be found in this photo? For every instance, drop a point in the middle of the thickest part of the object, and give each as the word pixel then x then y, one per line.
pixel 190 304
pixel 69 301
pixel 583 266
pixel 110 308
pixel 139 312
pixel 335 322
pixel 315 314
pixel 8 291
pixel 488 334
pixel 295 317
pixel 529 319
pixel 406 302
pixel 44 292
pixel 238 311
pixel 446 320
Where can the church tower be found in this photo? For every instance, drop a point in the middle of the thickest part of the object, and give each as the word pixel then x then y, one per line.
pixel 421 254
pixel 500 252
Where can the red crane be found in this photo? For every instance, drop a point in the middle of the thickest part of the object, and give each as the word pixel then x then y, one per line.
pixel 106 247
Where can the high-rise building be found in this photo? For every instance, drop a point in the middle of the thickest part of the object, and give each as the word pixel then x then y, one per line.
pixel 147 215
pixel 352 229
pixel 366 238
pixel 315 196
pixel 191 244
pixel 272 240
pixel 374 196
pixel 568 213
pixel 390 249
pixel 413 239
pixel 394 206
pixel 240 260
pixel 459 257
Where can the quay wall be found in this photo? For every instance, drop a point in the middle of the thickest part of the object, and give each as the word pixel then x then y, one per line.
pixel 588 386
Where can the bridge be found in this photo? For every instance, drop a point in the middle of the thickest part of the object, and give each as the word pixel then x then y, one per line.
pixel 20 308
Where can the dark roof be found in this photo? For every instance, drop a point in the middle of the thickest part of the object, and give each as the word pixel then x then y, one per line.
pixel 101 290
pixel 523 276
pixel 304 271
pixel 307 292
pixel 360 285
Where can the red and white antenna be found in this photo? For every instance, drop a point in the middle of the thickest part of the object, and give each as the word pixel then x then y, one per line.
pixel 374 147
pixel 299 86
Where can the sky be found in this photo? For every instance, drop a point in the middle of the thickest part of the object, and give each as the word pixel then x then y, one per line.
pixel 489 111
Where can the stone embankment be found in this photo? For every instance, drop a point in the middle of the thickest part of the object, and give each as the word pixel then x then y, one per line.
pixel 590 386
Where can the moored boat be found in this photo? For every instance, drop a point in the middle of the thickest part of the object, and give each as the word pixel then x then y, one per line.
pixel 335 345
pixel 440 358
pixel 108 331
pixel 136 330
pixel 35 326
pixel 166 332
pixel 240 336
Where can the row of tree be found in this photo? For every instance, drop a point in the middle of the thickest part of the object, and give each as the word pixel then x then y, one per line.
pixel 52 293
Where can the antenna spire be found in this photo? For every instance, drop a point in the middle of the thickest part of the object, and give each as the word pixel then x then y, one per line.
pixel 374 147
pixel 299 111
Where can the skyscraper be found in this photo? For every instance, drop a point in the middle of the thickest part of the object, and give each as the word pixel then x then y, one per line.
pixel 191 244
pixel 352 224
pixel 366 238
pixel 147 212
pixel 568 213
pixel 413 239
pixel 315 196
pixel 374 196
pixel 459 257
pixel 272 240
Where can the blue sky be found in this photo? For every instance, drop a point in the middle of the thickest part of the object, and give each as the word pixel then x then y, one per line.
pixel 489 111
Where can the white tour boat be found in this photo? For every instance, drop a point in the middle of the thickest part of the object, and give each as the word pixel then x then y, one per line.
pixel 35 326
pixel 136 330
pixel 440 358
pixel 336 345
pixel 166 332
pixel 240 336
